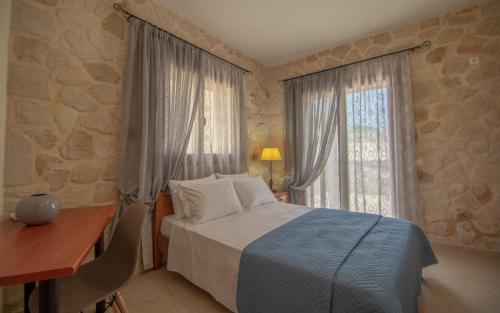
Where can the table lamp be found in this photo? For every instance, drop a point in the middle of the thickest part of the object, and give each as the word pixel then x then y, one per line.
pixel 270 154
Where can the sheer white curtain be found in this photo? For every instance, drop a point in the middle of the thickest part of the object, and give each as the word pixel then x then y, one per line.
pixel 218 139
pixel 364 178
pixel 371 167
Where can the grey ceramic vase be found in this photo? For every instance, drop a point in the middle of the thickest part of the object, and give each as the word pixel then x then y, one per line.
pixel 37 209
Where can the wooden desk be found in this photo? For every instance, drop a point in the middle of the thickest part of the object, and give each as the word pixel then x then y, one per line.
pixel 47 252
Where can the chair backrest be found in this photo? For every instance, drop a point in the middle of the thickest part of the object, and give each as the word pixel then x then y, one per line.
pixel 123 250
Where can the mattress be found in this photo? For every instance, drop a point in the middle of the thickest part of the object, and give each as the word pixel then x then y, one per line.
pixel 209 254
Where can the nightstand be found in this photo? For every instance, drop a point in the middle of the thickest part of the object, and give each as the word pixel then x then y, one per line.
pixel 282 196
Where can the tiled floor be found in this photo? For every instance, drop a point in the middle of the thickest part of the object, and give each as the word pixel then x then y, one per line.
pixel 461 282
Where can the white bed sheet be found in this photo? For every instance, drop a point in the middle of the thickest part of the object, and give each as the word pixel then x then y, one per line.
pixel 209 254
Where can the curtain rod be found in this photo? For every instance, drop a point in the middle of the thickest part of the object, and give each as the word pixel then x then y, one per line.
pixel 423 44
pixel 120 9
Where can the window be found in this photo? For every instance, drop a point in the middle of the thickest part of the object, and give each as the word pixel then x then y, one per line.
pixel 213 129
pixel 215 143
pixel 357 175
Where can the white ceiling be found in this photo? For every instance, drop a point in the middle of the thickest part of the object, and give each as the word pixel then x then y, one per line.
pixel 276 31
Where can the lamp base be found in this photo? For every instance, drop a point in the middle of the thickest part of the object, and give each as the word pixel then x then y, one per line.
pixel 271 175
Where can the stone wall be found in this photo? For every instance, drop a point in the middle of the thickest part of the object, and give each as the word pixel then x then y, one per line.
pixel 457 112
pixel 66 69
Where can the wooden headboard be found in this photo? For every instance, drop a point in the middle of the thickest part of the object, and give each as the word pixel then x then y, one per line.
pixel 163 208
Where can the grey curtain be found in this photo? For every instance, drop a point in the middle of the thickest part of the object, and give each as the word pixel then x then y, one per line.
pixel 311 118
pixel 183 117
pixel 162 93
pixel 405 193
pixel 372 165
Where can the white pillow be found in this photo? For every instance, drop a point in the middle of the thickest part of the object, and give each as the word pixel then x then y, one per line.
pixel 242 175
pixel 210 200
pixel 253 192
pixel 178 205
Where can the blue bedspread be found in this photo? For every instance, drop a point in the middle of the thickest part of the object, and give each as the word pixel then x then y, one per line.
pixel 334 262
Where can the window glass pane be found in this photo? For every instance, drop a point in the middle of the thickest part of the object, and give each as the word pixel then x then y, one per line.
pixel 212 131
pixel 325 192
pixel 366 143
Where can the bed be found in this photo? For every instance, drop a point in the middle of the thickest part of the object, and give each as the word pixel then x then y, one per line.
pixel 210 254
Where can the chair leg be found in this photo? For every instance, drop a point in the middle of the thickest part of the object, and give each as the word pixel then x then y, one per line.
pixel 116 309
pixel 120 303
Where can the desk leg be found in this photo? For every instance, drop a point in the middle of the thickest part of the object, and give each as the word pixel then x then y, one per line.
pixel 100 307
pixel 49 296
pixel 28 289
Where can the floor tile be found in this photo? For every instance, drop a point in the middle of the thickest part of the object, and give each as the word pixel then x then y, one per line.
pixel 460 283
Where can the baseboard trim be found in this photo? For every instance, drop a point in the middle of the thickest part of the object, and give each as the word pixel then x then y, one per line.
pixel 465 249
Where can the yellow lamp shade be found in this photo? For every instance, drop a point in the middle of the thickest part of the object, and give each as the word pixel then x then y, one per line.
pixel 270 154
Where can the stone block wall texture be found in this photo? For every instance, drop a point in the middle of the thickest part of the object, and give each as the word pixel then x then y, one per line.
pixel 66 71
pixel 457 114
